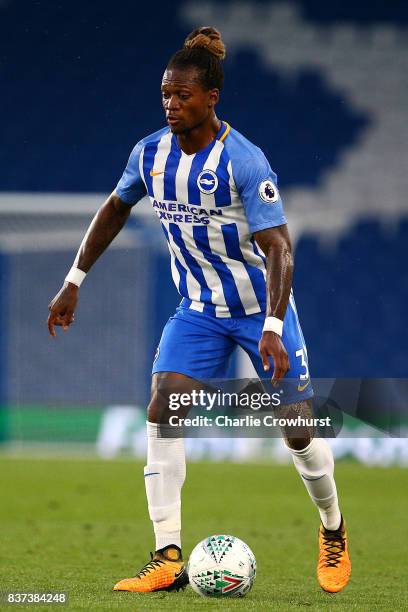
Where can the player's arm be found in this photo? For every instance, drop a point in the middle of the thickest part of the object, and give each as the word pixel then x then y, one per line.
pixel 106 224
pixel 276 245
pixel 257 186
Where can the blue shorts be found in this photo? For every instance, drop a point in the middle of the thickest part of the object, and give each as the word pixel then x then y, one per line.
pixel 199 345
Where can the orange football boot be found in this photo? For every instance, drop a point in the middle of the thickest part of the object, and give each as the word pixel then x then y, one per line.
pixel 333 566
pixel 165 572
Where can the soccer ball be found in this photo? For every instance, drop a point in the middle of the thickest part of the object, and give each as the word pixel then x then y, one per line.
pixel 222 566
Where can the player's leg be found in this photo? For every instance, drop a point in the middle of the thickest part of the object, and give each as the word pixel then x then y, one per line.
pixel 315 464
pixel 312 456
pixel 164 475
pixel 194 346
pixel 165 471
pixel 313 459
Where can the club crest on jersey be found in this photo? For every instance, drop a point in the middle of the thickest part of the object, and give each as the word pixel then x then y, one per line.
pixel 268 192
pixel 207 181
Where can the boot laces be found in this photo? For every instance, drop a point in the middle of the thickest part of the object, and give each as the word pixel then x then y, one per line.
pixel 334 545
pixel 150 566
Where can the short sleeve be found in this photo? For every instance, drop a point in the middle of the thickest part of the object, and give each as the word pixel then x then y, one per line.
pixel 131 187
pixel 257 186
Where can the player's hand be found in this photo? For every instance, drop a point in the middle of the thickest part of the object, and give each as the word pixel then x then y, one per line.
pixel 271 345
pixel 62 308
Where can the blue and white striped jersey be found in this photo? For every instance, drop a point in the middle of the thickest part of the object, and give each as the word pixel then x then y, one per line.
pixel 209 204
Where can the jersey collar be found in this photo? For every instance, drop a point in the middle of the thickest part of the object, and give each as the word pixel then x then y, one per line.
pixel 221 136
pixel 224 131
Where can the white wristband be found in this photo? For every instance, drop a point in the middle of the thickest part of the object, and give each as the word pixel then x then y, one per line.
pixel 75 276
pixel 273 324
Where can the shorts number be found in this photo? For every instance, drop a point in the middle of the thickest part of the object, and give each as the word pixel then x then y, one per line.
pixel 302 354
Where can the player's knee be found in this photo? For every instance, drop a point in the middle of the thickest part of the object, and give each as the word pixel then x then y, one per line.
pixel 164 385
pixel 152 412
pixel 158 399
pixel 298 443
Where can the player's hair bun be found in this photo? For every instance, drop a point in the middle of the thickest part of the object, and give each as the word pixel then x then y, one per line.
pixel 206 38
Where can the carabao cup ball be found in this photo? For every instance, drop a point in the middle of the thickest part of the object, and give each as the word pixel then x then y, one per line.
pixel 222 566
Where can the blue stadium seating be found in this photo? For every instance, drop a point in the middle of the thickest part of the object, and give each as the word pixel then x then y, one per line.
pixel 351 301
pixel 85 94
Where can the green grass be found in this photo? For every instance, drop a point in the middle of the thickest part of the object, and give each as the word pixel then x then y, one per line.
pixel 80 525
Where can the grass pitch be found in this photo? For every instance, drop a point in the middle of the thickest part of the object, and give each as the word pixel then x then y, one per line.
pixel 80 525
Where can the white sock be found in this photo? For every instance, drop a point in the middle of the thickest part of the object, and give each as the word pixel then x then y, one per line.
pixel 164 474
pixel 315 464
